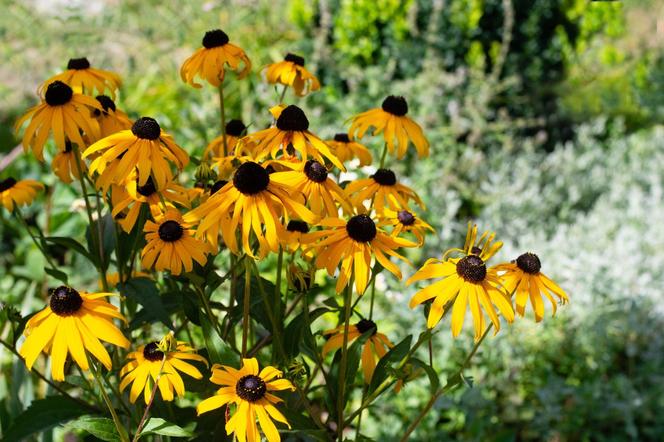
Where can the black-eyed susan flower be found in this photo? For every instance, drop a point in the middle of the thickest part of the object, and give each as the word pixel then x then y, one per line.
pixel 85 79
pixel 524 278
pixel 72 324
pixel 235 130
pixel 145 147
pixel 15 193
pixel 110 118
pixel 64 164
pixel 346 149
pixel 251 391
pixel 291 72
pixel 171 244
pixel 129 200
pixel 291 239
pixel 143 369
pixel 392 121
pixel 354 244
pixel 62 112
pixel 373 349
pixel 485 246
pixel 322 194
pixel 405 221
pixel 292 129
pixel 382 188
pixel 252 204
pixel 301 279
pixel 464 281
pixel 211 61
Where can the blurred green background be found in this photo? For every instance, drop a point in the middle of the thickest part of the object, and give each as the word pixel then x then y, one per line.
pixel 545 121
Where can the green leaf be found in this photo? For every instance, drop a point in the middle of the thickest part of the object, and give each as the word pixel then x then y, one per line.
pixel 434 381
pixel 100 427
pixel 298 336
pixel 396 354
pixel 213 342
pixel 257 305
pixel 107 239
pixel 70 244
pixel 145 292
pixel 159 426
pixel 43 414
pixel 57 274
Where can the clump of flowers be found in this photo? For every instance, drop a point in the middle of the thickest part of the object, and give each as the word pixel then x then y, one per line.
pixel 250 262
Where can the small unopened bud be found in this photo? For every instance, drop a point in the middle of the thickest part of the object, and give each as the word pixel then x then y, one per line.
pixel 204 173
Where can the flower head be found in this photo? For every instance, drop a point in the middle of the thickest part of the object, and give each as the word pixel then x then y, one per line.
pixel 73 323
pixel 211 61
pixel 63 113
pixel 391 120
pixel 524 278
pixel 251 391
pixel 15 193
pixel 383 189
pixel 405 221
pixel 291 72
pixel 346 149
pixel 85 79
pixel 144 366
pixel 110 118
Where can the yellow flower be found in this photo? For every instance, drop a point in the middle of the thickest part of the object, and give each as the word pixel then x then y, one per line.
pixel 484 247
pixel 18 193
pixel 346 149
pixel 144 147
pixel 72 323
pixel 64 164
pixel 291 239
pixel 375 348
pixel 252 393
pixel 253 202
pixel 210 61
pixel 291 130
pixel 524 276
pixel 405 221
pixel 85 79
pixel 110 118
pixel 64 113
pixel 235 130
pixel 320 191
pixel 392 121
pixel 354 244
pixel 382 188
pixel 171 245
pixel 464 281
pixel 133 197
pixel 113 279
pixel 291 72
pixel 144 365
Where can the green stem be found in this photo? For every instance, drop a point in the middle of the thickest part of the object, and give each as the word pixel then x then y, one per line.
pixel 34 239
pixel 208 310
pixel 109 404
pixel 344 361
pixel 96 240
pixel 383 156
pixel 246 306
pixel 373 294
pixel 152 396
pixel 222 107
pixel 283 94
pixel 445 389
pixel 276 334
pixel 277 295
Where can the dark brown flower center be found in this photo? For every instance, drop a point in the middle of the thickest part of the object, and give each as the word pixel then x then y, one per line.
pixel 68 146
pixel 471 268
pixel 361 228
pixel 78 63
pixel 295 225
pixel 476 251
pixel 365 325
pixel 529 263
pixel 152 353
pixel 170 231
pixel 315 171
pixel 148 188
pixel 385 177
pixel 395 105
pixel 251 178
pixel 106 103
pixel 292 118
pixel 343 138
pixel 294 59
pixel 235 128
pixel 65 301
pixel 215 38
pixel 146 128
pixel 251 388
pixel 406 218
pixel 216 187
pixel 7 184
pixel 58 93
